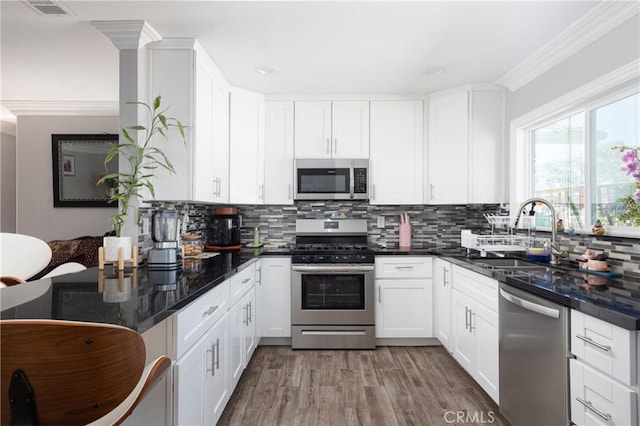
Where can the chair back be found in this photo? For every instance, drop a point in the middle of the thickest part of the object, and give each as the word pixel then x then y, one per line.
pixel 22 256
pixel 78 372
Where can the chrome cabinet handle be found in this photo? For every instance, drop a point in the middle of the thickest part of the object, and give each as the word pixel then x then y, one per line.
pixel 444 277
pixel 212 360
pixel 590 341
pixel 246 280
pixel 405 267
pixel 289 193
pixel 250 319
pixel 471 315
pixel 431 191
pixel 245 320
pixel 379 295
pixel 209 311
pixel 328 145
pixel 373 191
pixel 335 145
pixel 217 354
pixel 466 318
pixel 589 405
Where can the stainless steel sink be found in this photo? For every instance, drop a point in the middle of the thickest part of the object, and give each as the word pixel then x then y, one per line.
pixel 509 265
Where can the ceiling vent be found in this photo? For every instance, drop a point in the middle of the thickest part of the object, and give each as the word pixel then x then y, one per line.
pixel 48 7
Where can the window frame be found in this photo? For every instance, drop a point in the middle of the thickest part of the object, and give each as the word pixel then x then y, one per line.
pixel 521 153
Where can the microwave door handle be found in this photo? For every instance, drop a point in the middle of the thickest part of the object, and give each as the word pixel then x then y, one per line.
pixel 351 183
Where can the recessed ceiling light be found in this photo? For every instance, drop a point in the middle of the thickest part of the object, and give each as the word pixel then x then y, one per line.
pixel 264 70
pixel 434 71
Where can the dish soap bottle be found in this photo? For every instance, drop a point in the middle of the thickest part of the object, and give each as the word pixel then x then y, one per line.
pixel 256 236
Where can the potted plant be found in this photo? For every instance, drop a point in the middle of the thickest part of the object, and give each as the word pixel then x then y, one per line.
pixel 143 158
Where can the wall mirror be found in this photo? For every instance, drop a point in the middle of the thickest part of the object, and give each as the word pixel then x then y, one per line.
pixel 78 164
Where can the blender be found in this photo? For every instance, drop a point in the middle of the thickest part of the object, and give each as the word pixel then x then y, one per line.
pixel 165 253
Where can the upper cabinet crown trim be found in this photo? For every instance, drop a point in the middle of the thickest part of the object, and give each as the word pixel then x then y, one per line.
pixel 594 24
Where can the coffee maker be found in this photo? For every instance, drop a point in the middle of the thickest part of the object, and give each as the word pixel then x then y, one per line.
pixel 165 253
pixel 224 229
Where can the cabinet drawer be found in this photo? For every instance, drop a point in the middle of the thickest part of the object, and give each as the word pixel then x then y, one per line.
pixel 191 322
pixel 598 399
pixel 606 347
pixel 403 267
pixel 483 290
pixel 240 283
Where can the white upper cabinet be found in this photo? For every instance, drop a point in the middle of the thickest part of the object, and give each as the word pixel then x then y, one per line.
pixel 464 154
pixel 396 162
pixel 195 92
pixel 326 129
pixel 278 152
pixel 246 147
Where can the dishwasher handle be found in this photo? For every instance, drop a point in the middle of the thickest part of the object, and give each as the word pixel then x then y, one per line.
pixel 530 306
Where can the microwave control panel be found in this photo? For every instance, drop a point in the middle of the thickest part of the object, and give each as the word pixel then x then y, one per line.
pixel 360 180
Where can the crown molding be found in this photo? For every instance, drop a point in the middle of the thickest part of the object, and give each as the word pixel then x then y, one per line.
pixel 7 128
pixel 128 35
pixel 176 43
pixel 99 108
pixel 594 24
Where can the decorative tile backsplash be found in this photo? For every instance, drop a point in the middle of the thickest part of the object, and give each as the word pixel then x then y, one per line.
pixel 431 226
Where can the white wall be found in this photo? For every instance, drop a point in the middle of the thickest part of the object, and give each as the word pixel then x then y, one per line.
pixel 36 214
pixel 618 47
pixel 8 178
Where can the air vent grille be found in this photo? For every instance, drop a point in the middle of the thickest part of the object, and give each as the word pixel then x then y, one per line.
pixel 48 7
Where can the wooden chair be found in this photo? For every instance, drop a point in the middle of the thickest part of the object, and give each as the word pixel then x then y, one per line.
pixel 72 373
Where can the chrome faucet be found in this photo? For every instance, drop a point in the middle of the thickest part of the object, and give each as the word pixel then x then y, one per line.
pixel 555 252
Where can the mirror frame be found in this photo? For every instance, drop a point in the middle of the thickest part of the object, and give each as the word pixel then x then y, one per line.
pixel 56 150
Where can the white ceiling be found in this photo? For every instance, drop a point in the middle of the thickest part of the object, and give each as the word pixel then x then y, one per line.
pixel 315 46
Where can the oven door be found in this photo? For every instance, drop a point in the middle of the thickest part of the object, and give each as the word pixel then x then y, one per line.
pixel 332 295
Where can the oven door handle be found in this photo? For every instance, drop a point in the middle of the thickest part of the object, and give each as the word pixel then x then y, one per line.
pixel 333 268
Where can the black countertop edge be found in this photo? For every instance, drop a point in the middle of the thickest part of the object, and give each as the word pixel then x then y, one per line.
pixel 574 300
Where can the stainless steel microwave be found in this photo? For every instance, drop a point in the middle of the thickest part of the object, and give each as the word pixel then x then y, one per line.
pixel 331 179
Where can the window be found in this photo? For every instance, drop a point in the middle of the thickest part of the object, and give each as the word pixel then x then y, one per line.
pixel 574 163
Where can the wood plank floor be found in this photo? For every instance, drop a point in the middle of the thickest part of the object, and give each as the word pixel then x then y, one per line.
pixel 388 386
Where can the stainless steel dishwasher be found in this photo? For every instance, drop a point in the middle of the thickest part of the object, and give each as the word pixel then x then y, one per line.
pixel 534 365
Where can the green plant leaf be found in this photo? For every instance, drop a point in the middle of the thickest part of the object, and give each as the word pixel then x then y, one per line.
pixel 156 102
pixel 137 128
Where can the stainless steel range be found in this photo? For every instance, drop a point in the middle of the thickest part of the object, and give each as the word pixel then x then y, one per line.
pixel 332 295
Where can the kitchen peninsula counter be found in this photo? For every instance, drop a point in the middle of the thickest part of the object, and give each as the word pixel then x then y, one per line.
pixel 155 295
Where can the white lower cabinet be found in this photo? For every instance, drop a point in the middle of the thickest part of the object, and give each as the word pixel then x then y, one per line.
pixel 604 374
pixel 403 297
pixel 214 338
pixel 442 301
pixel 273 293
pixel 474 327
pixel 201 383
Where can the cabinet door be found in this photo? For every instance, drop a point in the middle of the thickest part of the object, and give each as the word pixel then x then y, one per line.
pixel 278 153
pixel 190 386
pixel 486 153
pixel 217 379
pixel 463 338
pixel 249 332
pixel 448 149
pixel 203 173
pixel 246 145
pixel 442 302
pixel 403 308
pixel 220 142
pixel 396 163
pixel 274 300
pixel 484 324
pixel 237 319
pixel 350 129
pixel 312 130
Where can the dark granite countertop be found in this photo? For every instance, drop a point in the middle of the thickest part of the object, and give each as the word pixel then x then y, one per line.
pixel 616 301
pixel 157 295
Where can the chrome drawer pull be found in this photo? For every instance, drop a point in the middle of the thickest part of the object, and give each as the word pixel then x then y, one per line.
pixel 590 341
pixel 212 361
pixel 209 311
pixel 589 405
pixel 404 267
pixel 246 280
pixel 217 354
